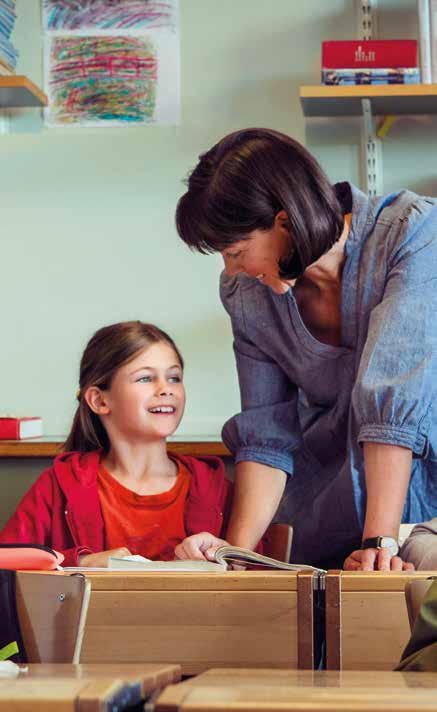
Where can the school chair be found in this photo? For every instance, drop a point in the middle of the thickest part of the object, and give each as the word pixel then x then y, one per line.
pixel 52 610
pixel 415 592
pixel 277 541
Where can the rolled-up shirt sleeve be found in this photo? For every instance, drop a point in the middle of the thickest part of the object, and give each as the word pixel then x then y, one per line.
pixel 396 383
pixel 267 429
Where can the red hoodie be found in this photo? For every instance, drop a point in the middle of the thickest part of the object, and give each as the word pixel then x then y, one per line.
pixel 62 508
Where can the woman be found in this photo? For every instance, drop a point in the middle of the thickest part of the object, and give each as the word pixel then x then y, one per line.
pixel 333 302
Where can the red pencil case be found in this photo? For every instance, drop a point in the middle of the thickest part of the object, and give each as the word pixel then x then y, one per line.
pixel 29 556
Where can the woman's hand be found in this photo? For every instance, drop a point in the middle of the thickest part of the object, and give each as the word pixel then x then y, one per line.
pixel 198 546
pixel 100 560
pixel 375 560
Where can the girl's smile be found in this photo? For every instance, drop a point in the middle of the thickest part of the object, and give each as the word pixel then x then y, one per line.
pixel 163 410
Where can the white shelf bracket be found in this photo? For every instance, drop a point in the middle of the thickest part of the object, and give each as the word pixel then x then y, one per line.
pixel 371 152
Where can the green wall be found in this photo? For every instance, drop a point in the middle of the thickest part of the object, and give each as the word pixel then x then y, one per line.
pixel 87 234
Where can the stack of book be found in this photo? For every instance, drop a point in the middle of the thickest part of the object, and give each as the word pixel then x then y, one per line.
pixel 8 53
pixel 370 62
pixel 12 427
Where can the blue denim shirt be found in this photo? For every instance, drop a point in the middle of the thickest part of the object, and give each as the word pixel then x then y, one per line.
pixel 307 407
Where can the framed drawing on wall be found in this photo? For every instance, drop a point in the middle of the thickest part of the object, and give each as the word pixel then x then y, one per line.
pixel 111 62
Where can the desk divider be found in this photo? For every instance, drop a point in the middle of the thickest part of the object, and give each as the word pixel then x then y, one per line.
pixel 333 620
pixel 310 619
pixel 305 619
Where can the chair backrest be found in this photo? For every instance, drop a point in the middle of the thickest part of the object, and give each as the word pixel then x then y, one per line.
pixel 52 611
pixel 277 541
pixel 415 592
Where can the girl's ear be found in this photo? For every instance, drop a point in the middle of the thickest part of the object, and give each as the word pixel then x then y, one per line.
pixel 96 400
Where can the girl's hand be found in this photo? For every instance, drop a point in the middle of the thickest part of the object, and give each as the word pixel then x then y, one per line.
pixel 100 559
pixel 198 546
pixel 375 560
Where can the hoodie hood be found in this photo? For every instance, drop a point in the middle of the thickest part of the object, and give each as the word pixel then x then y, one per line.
pixel 76 470
pixel 208 481
pixel 209 501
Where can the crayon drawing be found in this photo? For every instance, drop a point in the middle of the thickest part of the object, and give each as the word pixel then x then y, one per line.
pixel 109 14
pixel 111 62
pixel 102 80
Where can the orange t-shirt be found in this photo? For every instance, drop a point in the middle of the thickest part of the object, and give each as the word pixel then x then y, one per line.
pixel 150 525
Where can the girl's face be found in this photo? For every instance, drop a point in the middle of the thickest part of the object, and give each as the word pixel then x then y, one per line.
pixel 146 399
pixel 258 255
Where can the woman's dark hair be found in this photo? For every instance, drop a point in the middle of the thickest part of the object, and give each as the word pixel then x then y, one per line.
pixel 110 348
pixel 241 184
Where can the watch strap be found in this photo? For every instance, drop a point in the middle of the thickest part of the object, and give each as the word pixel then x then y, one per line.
pixel 376 542
pixel 373 542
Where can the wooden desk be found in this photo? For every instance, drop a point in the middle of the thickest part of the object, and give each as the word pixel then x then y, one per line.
pixel 144 678
pixel 84 688
pixel 227 690
pixel 366 618
pixel 243 618
pixel 60 695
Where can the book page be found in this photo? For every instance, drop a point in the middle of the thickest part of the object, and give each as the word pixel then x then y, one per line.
pixel 126 564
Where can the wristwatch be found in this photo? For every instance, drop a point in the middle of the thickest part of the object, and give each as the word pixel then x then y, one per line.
pixel 382 542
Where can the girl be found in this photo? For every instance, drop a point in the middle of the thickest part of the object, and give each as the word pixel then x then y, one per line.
pixel 115 490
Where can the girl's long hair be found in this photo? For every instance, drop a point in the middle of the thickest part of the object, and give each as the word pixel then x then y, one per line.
pixel 110 348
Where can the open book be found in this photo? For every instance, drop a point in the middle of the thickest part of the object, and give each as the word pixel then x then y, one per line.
pixel 223 556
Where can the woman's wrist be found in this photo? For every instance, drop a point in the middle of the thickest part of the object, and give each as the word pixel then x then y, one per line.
pixel 388 471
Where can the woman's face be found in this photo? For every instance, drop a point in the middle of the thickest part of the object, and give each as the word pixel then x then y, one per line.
pixel 258 255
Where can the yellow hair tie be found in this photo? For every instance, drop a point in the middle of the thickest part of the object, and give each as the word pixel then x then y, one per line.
pixel 78 394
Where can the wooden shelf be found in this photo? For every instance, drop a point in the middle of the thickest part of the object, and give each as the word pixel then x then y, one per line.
pixel 386 99
pixel 49 447
pixel 19 92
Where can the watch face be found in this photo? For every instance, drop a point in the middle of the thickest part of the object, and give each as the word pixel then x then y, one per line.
pixel 389 543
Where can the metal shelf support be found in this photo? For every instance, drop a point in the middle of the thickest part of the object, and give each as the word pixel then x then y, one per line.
pixel 366 19
pixel 371 152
